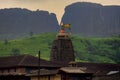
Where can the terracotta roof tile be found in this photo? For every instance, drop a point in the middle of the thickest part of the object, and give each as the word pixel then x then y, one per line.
pixel 25 60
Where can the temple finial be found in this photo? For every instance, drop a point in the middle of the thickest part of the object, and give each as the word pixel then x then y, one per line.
pixel 63 27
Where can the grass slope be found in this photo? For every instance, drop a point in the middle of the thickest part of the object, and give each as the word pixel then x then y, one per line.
pixel 29 45
pixel 100 50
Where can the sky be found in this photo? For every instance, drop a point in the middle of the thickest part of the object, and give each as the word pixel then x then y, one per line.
pixel 53 6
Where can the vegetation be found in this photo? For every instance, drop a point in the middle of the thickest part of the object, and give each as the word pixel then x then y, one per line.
pixel 15 52
pixel 105 50
pixel 100 50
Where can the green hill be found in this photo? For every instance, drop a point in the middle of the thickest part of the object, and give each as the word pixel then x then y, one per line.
pixel 100 50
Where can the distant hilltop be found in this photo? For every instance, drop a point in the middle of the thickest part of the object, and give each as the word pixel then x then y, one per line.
pixel 18 21
pixel 86 19
pixel 93 20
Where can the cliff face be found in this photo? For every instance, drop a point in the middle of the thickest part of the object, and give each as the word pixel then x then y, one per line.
pixel 17 21
pixel 87 19
pixel 90 19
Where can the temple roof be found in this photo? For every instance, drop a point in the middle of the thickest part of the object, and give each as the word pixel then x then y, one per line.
pixel 72 70
pixel 31 61
pixel 25 61
pixel 99 68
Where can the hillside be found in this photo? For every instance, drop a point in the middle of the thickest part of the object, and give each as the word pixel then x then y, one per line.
pixel 102 50
pixel 93 20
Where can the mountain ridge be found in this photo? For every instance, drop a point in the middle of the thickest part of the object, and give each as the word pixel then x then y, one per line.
pixel 18 21
pixel 93 20
pixel 87 20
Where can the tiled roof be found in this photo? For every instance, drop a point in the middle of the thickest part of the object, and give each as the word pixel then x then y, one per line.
pixel 72 70
pixel 99 68
pixel 25 60
pixel 31 61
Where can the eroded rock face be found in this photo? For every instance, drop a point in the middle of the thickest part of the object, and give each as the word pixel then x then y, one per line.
pixel 18 21
pixel 93 20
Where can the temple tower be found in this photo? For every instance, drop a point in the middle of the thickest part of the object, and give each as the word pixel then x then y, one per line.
pixel 62 48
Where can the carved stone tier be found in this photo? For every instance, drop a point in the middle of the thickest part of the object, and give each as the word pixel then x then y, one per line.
pixel 62 48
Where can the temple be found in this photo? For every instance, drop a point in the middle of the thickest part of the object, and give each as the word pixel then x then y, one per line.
pixel 62 48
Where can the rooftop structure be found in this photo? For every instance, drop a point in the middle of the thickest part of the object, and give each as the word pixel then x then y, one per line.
pixel 62 48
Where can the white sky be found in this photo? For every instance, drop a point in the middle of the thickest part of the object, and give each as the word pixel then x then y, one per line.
pixel 53 6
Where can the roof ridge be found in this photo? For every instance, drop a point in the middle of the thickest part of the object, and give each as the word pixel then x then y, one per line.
pixel 22 59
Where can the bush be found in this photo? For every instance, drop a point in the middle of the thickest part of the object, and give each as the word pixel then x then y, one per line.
pixel 15 52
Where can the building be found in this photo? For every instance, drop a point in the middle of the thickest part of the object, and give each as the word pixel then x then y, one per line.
pixel 62 48
pixel 26 67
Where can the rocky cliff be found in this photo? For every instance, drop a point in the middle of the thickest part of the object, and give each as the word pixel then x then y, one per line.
pixel 93 20
pixel 17 21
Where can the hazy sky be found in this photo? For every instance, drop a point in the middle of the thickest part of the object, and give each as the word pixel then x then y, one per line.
pixel 53 6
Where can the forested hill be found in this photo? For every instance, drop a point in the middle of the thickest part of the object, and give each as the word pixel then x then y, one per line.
pixel 100 50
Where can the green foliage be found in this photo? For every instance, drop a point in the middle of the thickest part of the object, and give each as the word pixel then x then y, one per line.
pixel 29 45
pixel 103 50
pixel 100 50
pixel 5 41
pixel 31 34
pixel 15 52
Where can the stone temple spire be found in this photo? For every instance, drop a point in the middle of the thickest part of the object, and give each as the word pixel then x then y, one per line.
pixel 62 48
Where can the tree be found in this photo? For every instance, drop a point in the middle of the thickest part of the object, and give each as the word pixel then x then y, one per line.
pixel 31 34
pixel 5 41
pixel 15 52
